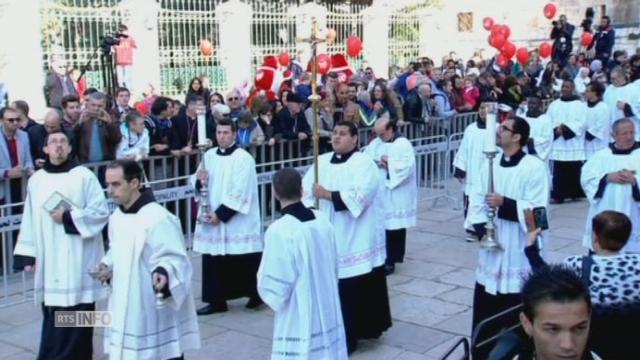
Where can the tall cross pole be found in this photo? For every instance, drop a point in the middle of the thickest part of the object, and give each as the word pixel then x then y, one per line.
pixel 314 40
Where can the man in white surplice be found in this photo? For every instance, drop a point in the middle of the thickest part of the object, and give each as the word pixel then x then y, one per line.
pixel 396 162
pixel 153 315
pixel 598 130
pixel 229 236
pixel 521 183
pixel 298 278
pixel 347 190
pixel 61 236
pixel 610 180
pixel 622 98
pixel 541 137
pixel 470 165
pixel 568 120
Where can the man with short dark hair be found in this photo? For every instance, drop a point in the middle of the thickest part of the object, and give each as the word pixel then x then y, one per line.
pixel 541 137
pixel 229 236
pixel 121 106
pixel 15 160
pixel 347 191
pixel 610 180
pixel 556 315
pixel 520 182
pixel 567 116
pixel 298 278
pixel 345 109
pixel 159 125
pixel 149 272
pixel 61 239
pixel 22 107
pixel 603 40
pixel 97 134
pixel 598 131
pixel 183 136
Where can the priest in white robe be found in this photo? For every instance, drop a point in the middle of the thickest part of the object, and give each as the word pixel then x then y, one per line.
pixel 347 191
pixel 60 238
pixel 610 180
pixel 153 315
pixel 568 120
pixel 622 99
pixel 598 130
pixel 298 278
pixel 470 165
pixel 229 236
pixel 396 162
pixel 521 183
pixel 541 137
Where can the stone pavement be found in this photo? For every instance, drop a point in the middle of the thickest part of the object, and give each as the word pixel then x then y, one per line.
pixel 431 295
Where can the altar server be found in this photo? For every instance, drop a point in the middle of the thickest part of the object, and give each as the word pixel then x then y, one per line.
pixel 152 310
pixel 396 162
pixel 568 120
pixel 60 237
pixel 229 236
pixel 347 190
pixel 298 278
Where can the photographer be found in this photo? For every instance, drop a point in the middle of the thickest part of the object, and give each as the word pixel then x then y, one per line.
pixel 561 34
pixel 97 134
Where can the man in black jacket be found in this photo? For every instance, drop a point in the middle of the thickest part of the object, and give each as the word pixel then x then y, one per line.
pixel 604 40
pixel 417 107
pixel 290 122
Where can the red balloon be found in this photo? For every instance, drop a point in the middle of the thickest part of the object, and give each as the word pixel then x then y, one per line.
pixel 495 29
pixel 324 63
pixel 498 41
pixel 206 48
pixel 550 10
pixel 502 61
pixel 522 55
pixel 505 30
pixel 587 39
pixel 508 50
pixel 284 59
pixel 487 23
pixel 545 50
pixel 354 46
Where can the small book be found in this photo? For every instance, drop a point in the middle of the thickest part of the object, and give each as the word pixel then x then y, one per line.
pixel 58 201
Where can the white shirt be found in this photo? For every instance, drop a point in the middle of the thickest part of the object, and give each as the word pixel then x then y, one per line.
pixel 399 193
pixel 232 182
pixel 359 231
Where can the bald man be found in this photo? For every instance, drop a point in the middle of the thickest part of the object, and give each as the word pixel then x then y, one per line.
pixel 396 162
pixel 52 122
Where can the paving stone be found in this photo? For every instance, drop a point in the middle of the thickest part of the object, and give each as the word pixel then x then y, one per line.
pixel 413 337
pixel 424 288
pixel 374 350
pixel 460 295
pixel 422 311
pixel 460 277
pixel 422 269
pixel 459 324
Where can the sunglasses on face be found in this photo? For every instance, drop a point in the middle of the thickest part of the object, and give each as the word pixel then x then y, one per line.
pixel 13 120
pixel 233 98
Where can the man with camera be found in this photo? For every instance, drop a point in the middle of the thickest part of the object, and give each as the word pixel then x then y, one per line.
pixel 97 134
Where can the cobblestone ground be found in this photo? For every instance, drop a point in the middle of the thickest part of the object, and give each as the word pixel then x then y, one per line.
pixel 431 295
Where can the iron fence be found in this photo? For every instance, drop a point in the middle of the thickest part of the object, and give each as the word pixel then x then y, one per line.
pixel 434 146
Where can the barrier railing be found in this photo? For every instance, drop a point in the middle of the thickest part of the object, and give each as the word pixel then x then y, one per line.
pixel 434 145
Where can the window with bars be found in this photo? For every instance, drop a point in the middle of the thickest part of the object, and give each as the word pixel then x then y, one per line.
pixel 465 22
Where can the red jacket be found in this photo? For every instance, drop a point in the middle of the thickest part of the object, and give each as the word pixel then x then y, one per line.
pixel 124 51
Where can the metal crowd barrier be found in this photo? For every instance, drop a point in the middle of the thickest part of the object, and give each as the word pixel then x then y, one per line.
pixel 434 144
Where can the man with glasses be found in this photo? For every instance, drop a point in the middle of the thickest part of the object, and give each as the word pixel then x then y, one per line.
pixel 15 156
pixel 61 239
pixel 520 182
pixel 236 103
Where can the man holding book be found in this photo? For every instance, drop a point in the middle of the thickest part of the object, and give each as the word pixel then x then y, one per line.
pixel 61 239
